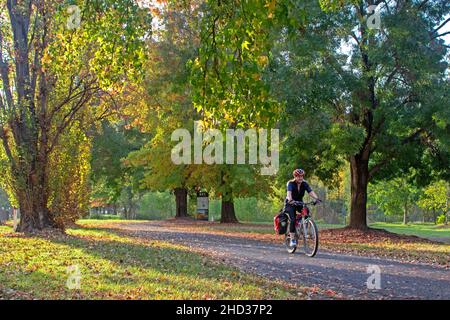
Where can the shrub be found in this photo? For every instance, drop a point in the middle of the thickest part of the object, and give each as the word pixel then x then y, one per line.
pixel 440 219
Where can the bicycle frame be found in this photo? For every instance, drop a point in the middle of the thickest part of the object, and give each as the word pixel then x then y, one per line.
pixel 302 221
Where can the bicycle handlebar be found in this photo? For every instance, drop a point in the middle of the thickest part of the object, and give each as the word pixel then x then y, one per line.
pixel 300 203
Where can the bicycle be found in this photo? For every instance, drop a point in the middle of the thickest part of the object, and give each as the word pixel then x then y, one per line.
pixel 305 228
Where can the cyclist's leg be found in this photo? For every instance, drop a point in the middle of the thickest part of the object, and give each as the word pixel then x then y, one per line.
pixel 290 210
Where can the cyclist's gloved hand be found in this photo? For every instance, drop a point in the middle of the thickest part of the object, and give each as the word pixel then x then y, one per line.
pixel 317 201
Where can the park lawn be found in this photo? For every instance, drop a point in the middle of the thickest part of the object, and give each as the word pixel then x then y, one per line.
pixel 115 266
pixel 387 245
pixel 424 230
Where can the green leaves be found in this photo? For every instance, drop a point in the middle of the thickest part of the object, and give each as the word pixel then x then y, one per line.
pixel 110 41
pixel 346 139
pixel 395 196
pixel 227 75
pixel 435 196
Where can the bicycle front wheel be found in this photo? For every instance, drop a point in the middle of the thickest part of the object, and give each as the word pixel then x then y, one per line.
pixel 310 235
pixel 287 242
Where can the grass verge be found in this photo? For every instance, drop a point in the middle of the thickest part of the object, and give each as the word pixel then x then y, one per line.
pixel 424 230
pixel 115 266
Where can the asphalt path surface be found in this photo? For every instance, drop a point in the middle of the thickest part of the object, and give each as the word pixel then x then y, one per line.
pixel 347 275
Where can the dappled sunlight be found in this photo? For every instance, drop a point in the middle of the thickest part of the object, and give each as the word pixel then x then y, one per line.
pixel 114 266
pixel 401 247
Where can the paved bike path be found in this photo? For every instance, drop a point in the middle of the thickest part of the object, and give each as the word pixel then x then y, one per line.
pixel 342 273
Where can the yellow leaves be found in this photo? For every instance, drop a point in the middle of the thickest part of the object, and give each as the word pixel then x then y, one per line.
pixel 263 61
pixel 229 118
pixel 46 59
pixel 245 45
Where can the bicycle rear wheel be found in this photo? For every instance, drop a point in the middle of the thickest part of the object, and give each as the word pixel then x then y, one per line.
pixel 310 239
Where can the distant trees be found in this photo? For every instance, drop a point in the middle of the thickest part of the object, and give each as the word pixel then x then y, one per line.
pixel 166 103
pixel 435 198
pixel 114 182
pixel 394 197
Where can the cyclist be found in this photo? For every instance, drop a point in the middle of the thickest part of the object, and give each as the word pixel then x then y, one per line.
pixel 295 191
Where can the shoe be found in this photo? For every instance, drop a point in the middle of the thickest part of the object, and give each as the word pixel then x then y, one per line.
pixel 293 243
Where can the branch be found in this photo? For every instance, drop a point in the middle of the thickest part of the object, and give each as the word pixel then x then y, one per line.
pixel 355 37
pixel 440 35
pixel 71 97
pixel 422 4
pixel 391 155
pixel 391 76
pixel 443 24
pixel 67 119
pixel 375 131
pixel 387 6
pixel 34 28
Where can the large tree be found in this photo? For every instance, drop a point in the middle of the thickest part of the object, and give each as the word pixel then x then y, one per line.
pixel 55 61
pixel 376 99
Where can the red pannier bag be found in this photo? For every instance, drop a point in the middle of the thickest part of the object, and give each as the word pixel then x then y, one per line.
pixel 280 223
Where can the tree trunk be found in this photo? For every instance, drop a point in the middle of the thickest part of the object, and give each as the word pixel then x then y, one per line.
pixel 181 202
pixel 33 214
pixel 359 167
pixel 228 214
pixel 130 203
pixel 32 194
pixel 405 214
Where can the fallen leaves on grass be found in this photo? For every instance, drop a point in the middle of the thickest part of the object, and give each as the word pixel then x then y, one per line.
pixel 119 266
